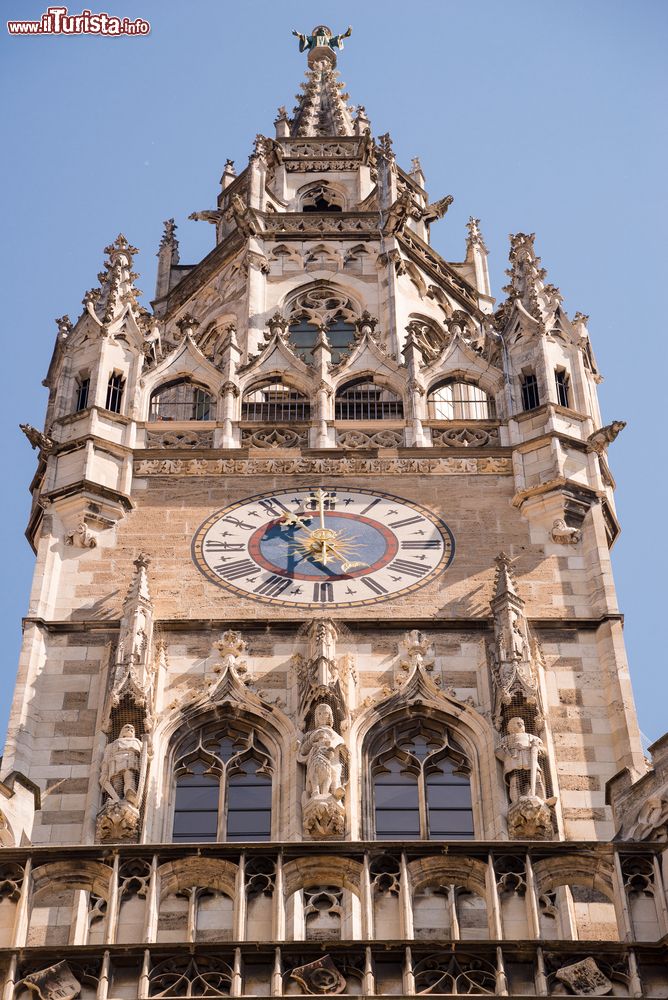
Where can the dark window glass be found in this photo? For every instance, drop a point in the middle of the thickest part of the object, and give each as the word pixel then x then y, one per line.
pixel 196 806
pixel 81 401
pixel 562 380
pixel 114 393
pixel 249 804
pixel 303 336
pixel 530 397
pixel 397 803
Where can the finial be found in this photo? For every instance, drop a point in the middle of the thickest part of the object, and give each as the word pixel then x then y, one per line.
pixel 320 44
pixel 474 234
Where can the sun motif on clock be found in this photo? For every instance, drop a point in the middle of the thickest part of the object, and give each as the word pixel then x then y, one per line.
pixel 322 547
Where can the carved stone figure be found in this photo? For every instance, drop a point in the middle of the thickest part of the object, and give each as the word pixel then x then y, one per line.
pixel 122 775
pixel 323 752
pixel 564 534
pixel 652 820
pixel 522 754
pixel 121 766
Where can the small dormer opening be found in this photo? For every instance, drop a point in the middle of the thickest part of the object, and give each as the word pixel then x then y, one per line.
pixel 322 199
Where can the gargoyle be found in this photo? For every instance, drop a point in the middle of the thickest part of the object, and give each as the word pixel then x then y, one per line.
pixel 600 439
pixel 213 215
pixel 37 439
pixel 437 209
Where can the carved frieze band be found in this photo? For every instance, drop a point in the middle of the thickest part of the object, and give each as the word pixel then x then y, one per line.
pixel 335 466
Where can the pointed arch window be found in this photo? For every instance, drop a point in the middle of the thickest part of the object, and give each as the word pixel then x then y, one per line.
pixel 460 400
pixel 223 787
pixel 363 399
pixel 275 402
pixel 421 784
pixel 181 399
pixel 322 307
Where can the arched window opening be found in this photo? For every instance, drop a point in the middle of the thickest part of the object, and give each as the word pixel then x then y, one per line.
pixel 275 403
pixel 223 787
pixel 115 387
pixel 457 400
pixel 421 785
pixel 303 336
pixel 181 400
pixel 364 400
pixel 322 199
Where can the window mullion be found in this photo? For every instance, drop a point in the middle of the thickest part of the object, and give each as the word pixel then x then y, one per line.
pixel 422 798
pixel 221 836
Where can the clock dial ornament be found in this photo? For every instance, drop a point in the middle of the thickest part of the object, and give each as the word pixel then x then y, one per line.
pixel 320 547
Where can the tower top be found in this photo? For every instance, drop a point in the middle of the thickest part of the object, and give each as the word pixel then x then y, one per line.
pixel 320 44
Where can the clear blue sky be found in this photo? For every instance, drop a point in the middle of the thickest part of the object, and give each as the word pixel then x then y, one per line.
pixel 545 117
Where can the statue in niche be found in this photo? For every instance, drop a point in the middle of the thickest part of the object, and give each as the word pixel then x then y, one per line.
pixel 122 775
pixel 324 753
pixel 522 755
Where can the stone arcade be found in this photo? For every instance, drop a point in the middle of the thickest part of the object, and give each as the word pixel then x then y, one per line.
pixel 323 686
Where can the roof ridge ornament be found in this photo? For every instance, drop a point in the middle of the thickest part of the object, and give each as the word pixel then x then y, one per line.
pixel 320 44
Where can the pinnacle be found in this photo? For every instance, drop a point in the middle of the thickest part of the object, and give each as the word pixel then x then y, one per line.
pixel 504 583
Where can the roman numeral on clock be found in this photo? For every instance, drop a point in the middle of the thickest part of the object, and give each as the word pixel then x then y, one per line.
pixel 369 506
pixel 273 507
pixel 274 586
pixel 408 567
pixel 373 585
pixel 242 567
pixel 323 592
pixel 431 544
pixel 211 545
pixel 406 521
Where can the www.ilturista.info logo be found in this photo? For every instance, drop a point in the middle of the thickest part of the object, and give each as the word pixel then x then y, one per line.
pixel 57 21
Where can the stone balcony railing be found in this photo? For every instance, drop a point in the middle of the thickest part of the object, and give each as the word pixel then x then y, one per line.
pixel 444 918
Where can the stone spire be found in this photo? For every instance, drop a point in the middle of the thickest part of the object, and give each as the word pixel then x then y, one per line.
pixel 321 108
pixel 476 256
pixel 168 257
pixel 117 293
pixel 134 669
pixel 527 279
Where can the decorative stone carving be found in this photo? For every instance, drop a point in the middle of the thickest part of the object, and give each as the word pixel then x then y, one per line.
pixel 585 978
pixel 334 466
pixel 274 437
pixel 513 657
pixel 122 776
pixel 356 440
pixel 232 648
pixel 652 820
pixel 600 439
pixel 564 534
pixel 465 437
pixel 57 982
pixel 326 758
pixel 81 537
pixel 320 977
pixel 134 671
pixel 522 755
pixel 418 652
pixel 179 439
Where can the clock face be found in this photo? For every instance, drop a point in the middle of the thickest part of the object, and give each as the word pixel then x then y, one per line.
pixel 322 547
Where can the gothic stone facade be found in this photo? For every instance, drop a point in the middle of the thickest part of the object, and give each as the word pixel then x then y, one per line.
pixel 323 680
